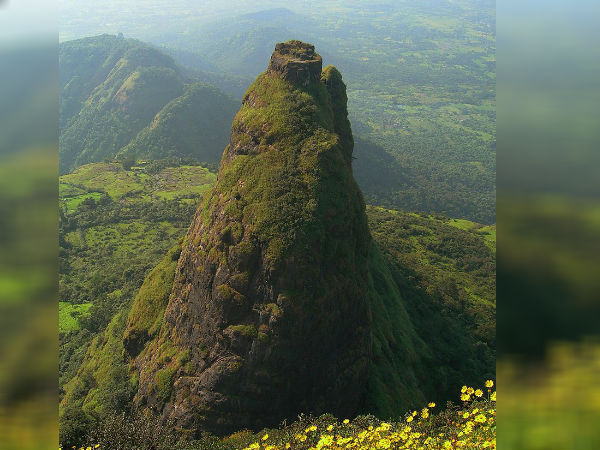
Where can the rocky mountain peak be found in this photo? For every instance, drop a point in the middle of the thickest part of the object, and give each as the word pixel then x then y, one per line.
pixel 297 62
pixel 268 316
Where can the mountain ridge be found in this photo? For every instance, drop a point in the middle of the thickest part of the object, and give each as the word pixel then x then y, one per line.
pixel 115 90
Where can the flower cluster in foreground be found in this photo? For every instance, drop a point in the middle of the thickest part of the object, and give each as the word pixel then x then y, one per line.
pixel 471 425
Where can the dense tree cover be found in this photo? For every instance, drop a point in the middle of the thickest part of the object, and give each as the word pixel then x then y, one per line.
pixel 444 272
pixel 444 265
pixel 123 98
pixel 110 240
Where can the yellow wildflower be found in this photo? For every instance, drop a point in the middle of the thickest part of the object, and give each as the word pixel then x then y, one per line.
pixel 489 383
pixel 330 427
pixel 343 441
pixel 346 422
pixel 480 418
pixel 384 426
pixel 325 441
pixel 478 392
pixel 287 445
pixel 493 397
pixel 431 405
pixel 384 443
pixel 465 397
pixel 265 437
pixel 470 390
pixel 463 389
pixel 409 419
pixel 465 415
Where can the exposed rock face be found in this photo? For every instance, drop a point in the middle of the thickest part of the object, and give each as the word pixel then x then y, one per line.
pixel 297 62
pixel 269 316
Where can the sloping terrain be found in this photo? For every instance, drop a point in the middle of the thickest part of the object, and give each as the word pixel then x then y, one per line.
pixel 121 98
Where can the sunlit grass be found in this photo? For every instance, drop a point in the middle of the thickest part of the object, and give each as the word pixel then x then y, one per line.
pixel 68 315
pixel 554 404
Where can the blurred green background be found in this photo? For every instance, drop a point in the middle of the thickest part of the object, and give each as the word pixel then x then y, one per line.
pixel 28 226
pixel 548 225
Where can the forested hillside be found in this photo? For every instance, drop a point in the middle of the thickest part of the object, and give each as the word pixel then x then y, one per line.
pixel 121 98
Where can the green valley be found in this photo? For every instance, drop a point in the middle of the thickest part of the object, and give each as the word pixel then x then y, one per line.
pixel 116 224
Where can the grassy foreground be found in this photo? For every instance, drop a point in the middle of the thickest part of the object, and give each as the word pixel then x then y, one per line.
pixel 471 424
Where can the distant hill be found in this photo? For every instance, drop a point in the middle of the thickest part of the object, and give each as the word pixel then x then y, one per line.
pixel 113 89
pixel 421 87
pixel 194 124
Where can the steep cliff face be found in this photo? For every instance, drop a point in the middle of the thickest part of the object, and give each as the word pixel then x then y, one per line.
pixel 269 313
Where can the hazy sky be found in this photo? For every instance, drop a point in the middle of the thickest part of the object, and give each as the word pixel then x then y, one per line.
pixel 20 19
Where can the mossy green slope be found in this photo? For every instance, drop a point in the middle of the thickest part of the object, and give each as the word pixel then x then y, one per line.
pixel 145 316
pixel 104 384
pixel 123 98
pixel 196 124
pixel 397 374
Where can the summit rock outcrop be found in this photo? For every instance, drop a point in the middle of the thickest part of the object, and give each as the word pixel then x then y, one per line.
pixel 297 62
